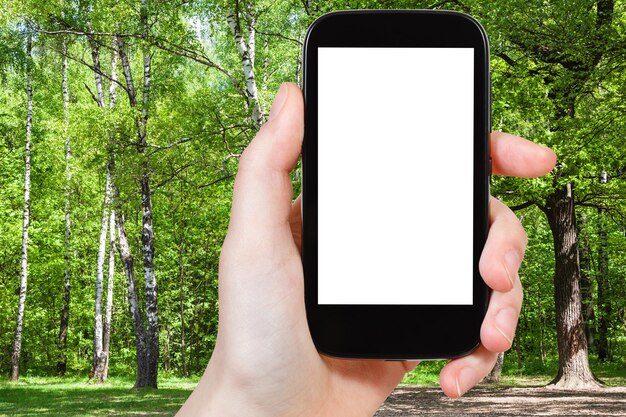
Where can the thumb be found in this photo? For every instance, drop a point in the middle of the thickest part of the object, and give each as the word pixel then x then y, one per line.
pixel 262 194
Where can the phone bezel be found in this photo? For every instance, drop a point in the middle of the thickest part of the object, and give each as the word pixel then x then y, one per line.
pixel 395 331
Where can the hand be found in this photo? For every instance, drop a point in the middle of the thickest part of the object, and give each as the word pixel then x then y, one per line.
pixel 265 363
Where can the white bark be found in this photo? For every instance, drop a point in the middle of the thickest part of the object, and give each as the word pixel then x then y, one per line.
pixel 113 85
pixel 106 331
pixel 247 53
pixel 251 32
pixel 97 370
pixel 138 326
pixel 147 343
pixel 147 236
pixel 95 56
pixel 19 326
pixel 128 75
pixel 99 359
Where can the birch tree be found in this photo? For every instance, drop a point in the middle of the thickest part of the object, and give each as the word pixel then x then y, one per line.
pixel 246 49
pixel 128 264
pixel 106 329
pixel 97 367
pixel 19 325
pixel 147 236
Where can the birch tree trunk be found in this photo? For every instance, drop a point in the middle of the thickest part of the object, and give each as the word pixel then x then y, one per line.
pixel 145 376
pixel 151 341
pixel 106 330
pixel 99 360
pixel 19 326
pixel 128 264
pixel 574 371
pixel 106 337
pixel 247 53
pixel 97 368
pixel 147 236
pixel 95 57
pixel 67 255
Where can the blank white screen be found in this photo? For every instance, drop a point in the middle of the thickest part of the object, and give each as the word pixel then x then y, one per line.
pixel 395 175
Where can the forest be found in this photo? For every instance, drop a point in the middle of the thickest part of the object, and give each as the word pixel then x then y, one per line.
pixel 121 125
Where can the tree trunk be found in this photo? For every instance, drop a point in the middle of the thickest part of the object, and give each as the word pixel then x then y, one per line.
pixel 181 274
pixel 99 360
pixel 146 376
pixel 19 326
pixel 147 236
pixel 67 255
pixel 604 301
pixel 106 330
pixel 246 54
pixel 167 359
pixel 574 371
pixel 266 60
pixel 113 85
pixel 518 351
pixel 138 326
pixel 95 57
pixel 586 284
pixel 494 376
pixel 147 239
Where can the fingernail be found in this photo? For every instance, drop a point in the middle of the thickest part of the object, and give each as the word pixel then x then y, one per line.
pixel 279 101
pixel 465 380
pixel 505 323
pixel 511 265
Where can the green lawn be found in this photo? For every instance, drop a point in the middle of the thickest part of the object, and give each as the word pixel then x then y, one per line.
pixel 39 397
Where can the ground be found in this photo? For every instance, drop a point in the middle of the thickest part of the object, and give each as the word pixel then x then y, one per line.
pixel 408 401
pixel 73 397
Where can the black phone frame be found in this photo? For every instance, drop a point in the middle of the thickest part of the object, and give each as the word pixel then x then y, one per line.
pixel 396 332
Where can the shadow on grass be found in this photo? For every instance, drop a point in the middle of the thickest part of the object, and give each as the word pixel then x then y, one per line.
pixel 87 400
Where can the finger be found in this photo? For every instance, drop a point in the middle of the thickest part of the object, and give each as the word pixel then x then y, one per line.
pixel 504 248
pixel 515 156
pixel 459 375
pixel 262 193
pixel 498 328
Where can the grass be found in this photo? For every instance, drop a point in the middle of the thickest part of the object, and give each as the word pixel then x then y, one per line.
pixel 73 397
pixel 44 396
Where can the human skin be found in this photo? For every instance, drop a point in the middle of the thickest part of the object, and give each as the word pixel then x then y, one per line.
pixel 264 362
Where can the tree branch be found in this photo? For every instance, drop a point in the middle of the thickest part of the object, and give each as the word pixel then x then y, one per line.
pixel 92 94
pixel 522 206
pixel 216 181
pixel 160 43
pixel 279 35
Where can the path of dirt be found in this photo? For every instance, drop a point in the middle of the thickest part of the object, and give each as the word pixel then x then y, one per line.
pixel 412 401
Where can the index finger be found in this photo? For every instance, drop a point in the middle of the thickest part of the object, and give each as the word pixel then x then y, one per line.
pixel 515 156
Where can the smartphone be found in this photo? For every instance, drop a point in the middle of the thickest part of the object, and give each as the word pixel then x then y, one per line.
pixel 395 183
